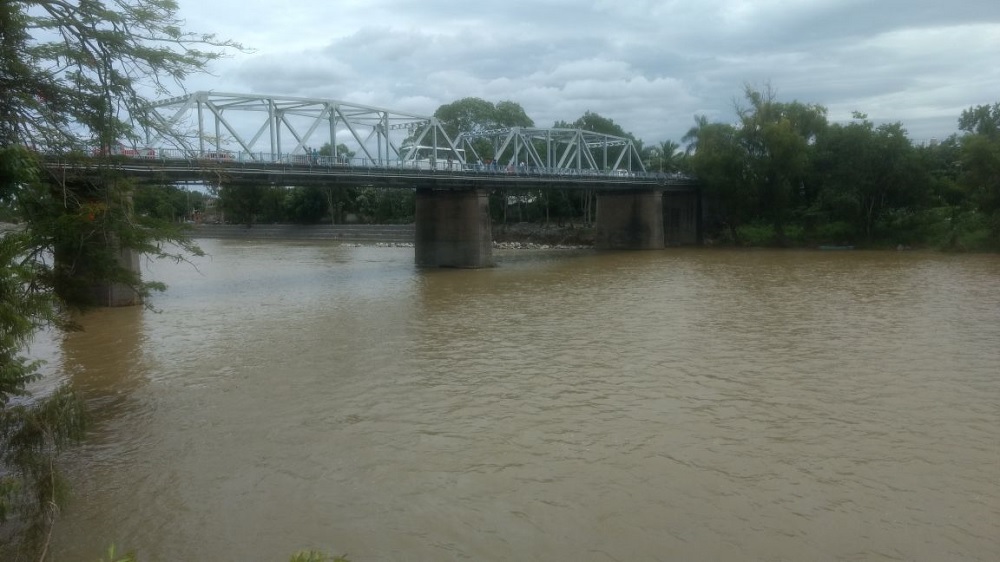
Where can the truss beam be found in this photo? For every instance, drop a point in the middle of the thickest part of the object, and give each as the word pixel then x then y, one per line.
pixel 268 128
pixel 554 148
pixel 272 128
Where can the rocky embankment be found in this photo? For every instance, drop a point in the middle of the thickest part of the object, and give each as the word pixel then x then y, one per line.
pixel 541 236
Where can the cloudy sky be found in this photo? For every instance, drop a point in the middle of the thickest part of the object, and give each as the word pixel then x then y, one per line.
pixel 650 65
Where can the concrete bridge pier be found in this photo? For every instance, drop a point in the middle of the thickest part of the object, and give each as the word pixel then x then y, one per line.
pixel 79 278
pixel 107 293
pixel 453 228
pixel 91 266
pixel 629 220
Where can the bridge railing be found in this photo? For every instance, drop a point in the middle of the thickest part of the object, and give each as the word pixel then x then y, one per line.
pixel 321 164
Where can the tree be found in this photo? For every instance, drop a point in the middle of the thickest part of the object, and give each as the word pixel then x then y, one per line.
pixel 866 173
pixel 596 123
pixel 777 140
pixel 471 115
pixel 665 157
pixel 167 202
pixel 306 205
pixel 511 114
pixel 74 76
pixel 718 160
pixel 758 169
pixel 980 178
pixel 981 120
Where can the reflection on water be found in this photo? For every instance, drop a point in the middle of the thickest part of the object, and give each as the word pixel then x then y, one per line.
pixel 684 404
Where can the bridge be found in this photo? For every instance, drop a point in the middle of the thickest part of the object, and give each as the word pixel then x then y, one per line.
pixel 233 139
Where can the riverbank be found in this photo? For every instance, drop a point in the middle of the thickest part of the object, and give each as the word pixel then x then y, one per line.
pixel 510 236
pixel 530 234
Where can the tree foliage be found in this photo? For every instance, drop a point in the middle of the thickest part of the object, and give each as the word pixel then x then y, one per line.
pixel 470 115
pixel 473 115
pixel 665 156
pixel 718 162
pixel 82 71
pixel 595 123
pixel 981 120
pixel 866 173
pixel 786 175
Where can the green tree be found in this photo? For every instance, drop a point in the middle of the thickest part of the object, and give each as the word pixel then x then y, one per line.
pixel 777 139
pixel 167 202
pixel 511 114
pixel 252 204
pixel 760 169
pixel 666 156
pixel 75 73
pixel 472 115
pixel 595 123
pixel 381 205
pixel 981 120
pixel 306 205
pixel 869 176
pixel 980 179
pixel 718 160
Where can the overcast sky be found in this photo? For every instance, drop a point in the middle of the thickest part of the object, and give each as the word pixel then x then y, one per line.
pixel 649 65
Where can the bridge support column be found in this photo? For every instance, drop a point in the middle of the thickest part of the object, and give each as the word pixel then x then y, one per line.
pixel 453 228
pixel 79 277
pixel 90 265
pixel 109 293
pixel 629 220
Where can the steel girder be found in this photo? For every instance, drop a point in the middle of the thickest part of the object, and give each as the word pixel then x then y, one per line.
pixel 259 126
pixel 555 148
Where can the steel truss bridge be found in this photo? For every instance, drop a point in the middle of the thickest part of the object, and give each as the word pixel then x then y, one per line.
pixel 244 133
pixel 232 139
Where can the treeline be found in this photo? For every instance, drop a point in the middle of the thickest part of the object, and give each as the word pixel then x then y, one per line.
pixel 783 175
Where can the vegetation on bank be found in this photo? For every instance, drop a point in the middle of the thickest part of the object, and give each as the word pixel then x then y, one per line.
pixel 783 175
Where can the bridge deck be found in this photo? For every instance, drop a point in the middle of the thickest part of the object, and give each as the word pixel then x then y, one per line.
pixel 340 175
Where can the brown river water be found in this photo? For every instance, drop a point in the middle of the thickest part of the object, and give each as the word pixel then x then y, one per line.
pixel 694 404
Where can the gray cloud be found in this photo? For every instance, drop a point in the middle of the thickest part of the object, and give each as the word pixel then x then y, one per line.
pixel 651 65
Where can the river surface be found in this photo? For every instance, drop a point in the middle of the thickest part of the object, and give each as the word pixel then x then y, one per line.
pixel 568 405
